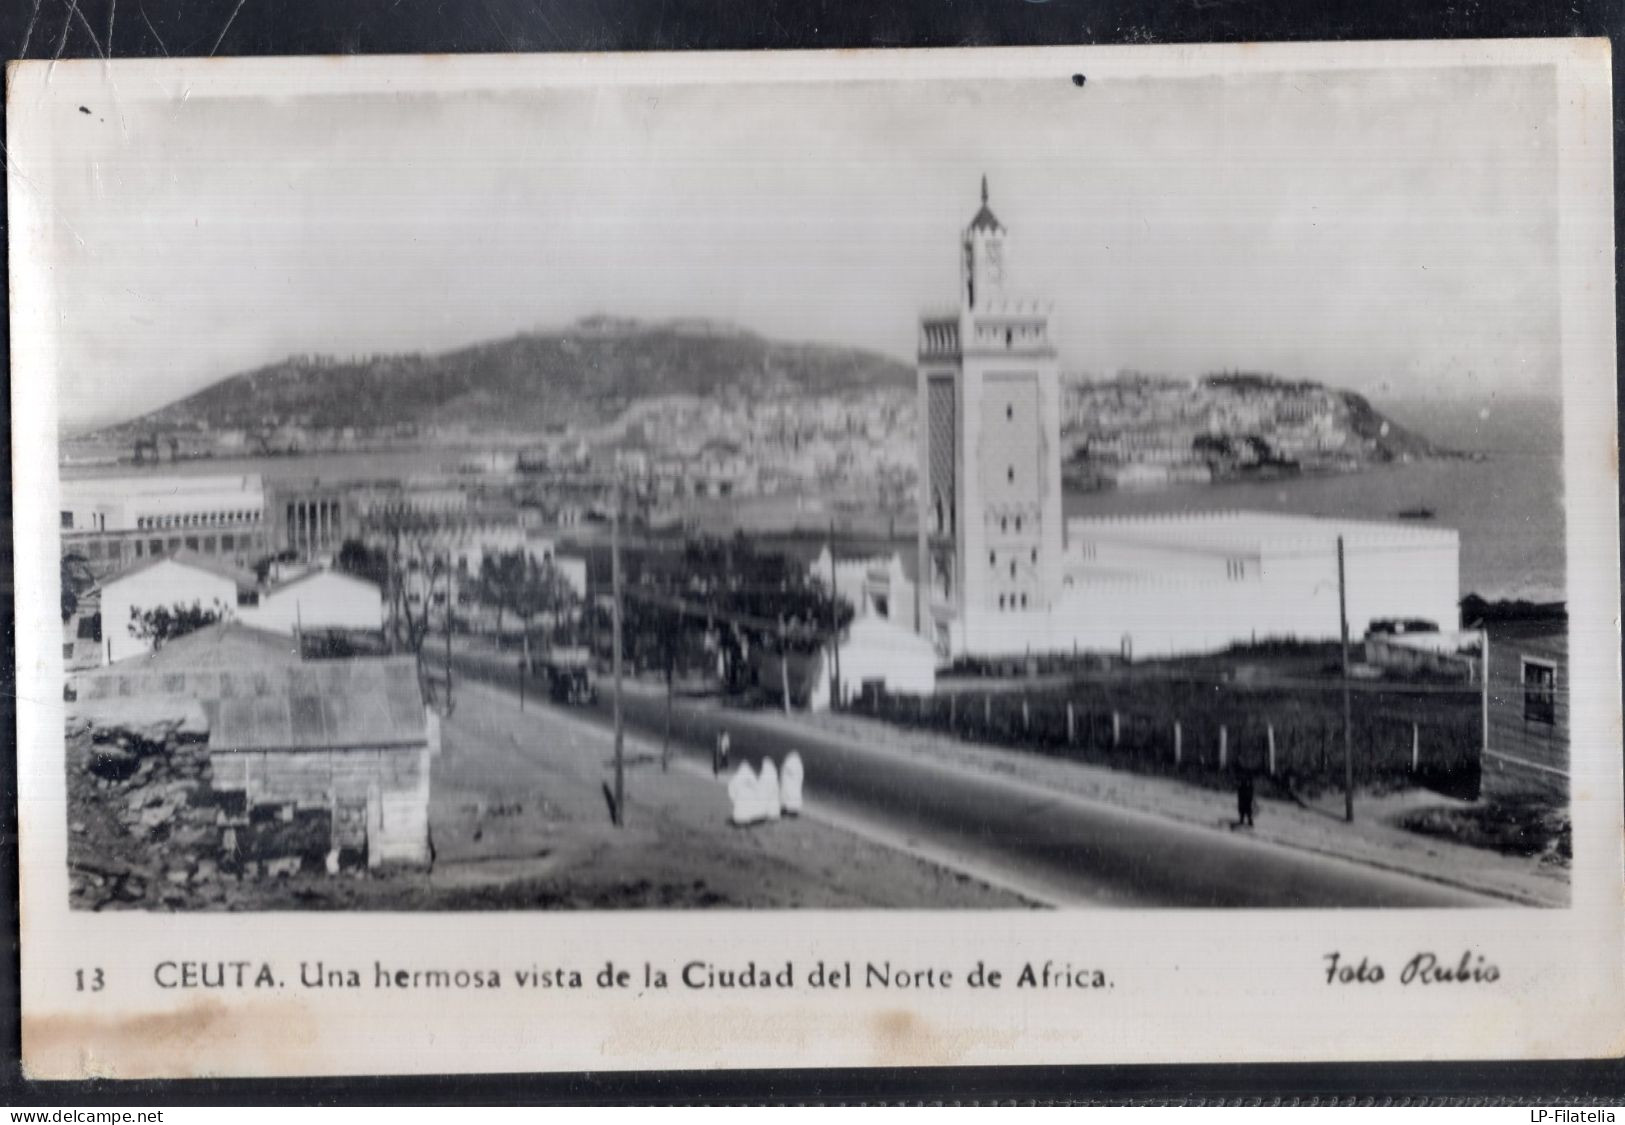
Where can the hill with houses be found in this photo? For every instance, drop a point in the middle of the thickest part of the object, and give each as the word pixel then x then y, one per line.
pixel 584 375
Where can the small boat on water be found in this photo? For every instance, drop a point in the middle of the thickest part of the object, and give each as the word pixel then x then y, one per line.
pixel 1415 513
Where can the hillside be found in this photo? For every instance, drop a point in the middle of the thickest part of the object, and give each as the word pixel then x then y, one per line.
pixel 1394 440
pixel 581 375
pixel 1148 429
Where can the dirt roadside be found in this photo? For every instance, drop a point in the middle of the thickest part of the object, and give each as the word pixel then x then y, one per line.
pixel 519 821
pixel 525 793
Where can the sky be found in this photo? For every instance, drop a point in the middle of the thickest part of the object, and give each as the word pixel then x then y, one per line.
pixel 1390 231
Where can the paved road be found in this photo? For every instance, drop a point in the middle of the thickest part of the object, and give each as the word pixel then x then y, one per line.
pixel 1072 850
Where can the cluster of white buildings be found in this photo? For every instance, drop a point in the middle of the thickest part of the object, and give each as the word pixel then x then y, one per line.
pixel 717 448
pixel 156 541
pixel 1146 420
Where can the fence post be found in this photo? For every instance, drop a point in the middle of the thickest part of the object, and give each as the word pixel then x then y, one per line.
pixel 1224 745
pixel 1071 724
pixel 953 712
pixel 1269 730
pixel 1026 717
pixel 1117 730
pixel 987 710
pixel 1179 742
pixel 1416 748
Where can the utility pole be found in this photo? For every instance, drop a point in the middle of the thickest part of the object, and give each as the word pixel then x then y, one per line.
pixel 451 600
pixel 665 743
pixel 784 664
pixel 615 610
pixel 834 628
pixel 1484 693
pixel 1348 713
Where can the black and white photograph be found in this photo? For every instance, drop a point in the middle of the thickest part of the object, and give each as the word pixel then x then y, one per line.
pixel 779 526
pixel 1142 493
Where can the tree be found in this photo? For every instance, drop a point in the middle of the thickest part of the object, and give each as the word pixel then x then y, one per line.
pixel 515 582
pixel 164 623
pixel 76 579
pixel 371 563
pixel 734 599
pixel 501 582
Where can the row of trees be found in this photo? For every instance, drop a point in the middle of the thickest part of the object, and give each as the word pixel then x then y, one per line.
pixel 705 602
pixel 715 598
pixel 415 576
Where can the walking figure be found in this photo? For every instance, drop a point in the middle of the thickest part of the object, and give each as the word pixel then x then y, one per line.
pixel 1244 798
pixel 719 758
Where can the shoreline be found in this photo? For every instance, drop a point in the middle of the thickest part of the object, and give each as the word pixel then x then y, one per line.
pixel 1496 568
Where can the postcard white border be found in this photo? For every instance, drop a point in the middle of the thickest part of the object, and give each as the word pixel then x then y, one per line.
pixel 1190 985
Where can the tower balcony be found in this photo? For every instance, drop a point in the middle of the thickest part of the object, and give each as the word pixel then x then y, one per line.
pixel 1011 328
pixel 939 337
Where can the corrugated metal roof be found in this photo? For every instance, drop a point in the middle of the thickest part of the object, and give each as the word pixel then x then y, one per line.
pixel 365 702
pixel 344 704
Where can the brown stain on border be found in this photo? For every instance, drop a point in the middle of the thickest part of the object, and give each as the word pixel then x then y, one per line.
pixel 173 1044
pixel 904 1038
pixel 896 1036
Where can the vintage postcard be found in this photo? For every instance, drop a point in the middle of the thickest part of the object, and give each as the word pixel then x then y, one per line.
pixel 877 558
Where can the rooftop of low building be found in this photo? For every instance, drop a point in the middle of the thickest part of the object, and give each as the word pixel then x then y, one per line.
pixel 1257 531
pixel 190 558
pixel 258 694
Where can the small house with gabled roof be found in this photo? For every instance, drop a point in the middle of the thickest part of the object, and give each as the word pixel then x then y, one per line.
pixel 184 578
pixel 319 599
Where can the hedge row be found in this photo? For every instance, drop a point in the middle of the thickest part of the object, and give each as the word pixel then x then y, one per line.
pixel 1214 732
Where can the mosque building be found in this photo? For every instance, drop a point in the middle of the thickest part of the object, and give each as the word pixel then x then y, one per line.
pixel 1003 572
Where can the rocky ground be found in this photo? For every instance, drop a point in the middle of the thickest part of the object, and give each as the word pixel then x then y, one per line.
pixel 1526 826
pixel 147 829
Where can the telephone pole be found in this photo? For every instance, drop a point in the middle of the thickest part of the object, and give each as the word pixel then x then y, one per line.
pixel 834 628
pixel 615 611
pixel 1348 713
pixel 451 601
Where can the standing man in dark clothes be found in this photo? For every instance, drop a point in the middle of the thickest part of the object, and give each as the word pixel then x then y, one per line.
pixel 1244 797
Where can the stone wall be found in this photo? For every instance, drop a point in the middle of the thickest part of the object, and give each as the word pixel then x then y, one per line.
pixel 157 820
pixel 378 798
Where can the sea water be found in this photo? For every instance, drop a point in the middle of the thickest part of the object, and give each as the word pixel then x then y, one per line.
pixel 1507 507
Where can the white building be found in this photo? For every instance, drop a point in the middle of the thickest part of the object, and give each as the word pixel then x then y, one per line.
pixel 321 599
pixel 152 503
pixel 116 522
pixel 874 585
pixel 573 569
pixel 875 654
pixel 1161 585
pixel 1001 576
pixel 182 579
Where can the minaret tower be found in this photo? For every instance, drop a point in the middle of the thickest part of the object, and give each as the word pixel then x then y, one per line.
pixel 982 269
pixel 990 463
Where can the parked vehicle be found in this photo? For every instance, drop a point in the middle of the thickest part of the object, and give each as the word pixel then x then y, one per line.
pixel 569 675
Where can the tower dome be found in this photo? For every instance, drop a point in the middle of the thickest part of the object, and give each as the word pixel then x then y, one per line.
pixel 985 219
pixel 982 265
